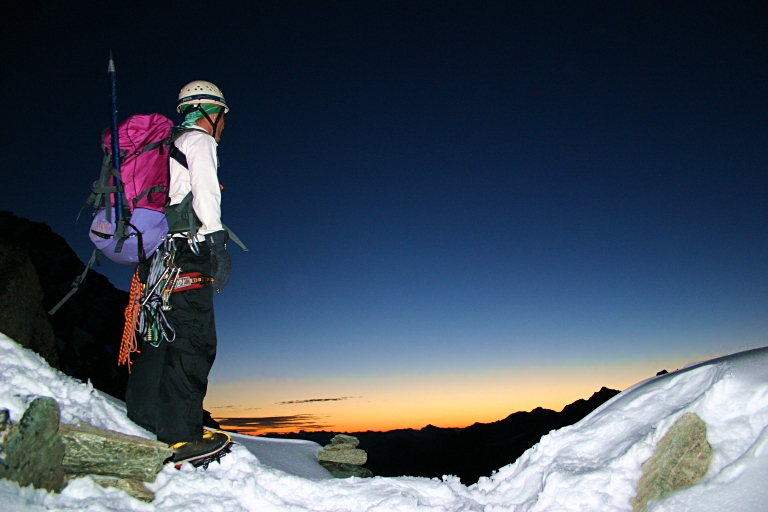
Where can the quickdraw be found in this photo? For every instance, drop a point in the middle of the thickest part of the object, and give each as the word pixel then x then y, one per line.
pixel 163 271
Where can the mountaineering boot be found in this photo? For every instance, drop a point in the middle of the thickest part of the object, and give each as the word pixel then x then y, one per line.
pixel 211 447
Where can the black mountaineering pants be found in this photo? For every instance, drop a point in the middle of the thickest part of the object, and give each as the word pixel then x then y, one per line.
pixel 168 383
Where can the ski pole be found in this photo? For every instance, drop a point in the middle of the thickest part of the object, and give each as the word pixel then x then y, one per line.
pixel 115 142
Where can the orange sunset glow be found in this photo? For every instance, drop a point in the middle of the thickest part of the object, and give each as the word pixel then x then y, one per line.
pixel 413 401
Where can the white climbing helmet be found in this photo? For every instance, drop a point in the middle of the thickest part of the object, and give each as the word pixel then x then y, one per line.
pixel 200 92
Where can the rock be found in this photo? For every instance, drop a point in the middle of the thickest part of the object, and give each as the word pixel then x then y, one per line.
pixel 92 450
pixel 134 488
pixel 343 441
pixel 31 451
pixel 681 459
pixel 342 470
pixel 21 301
pixel 342 459
pixel 342 450
pixel 350 456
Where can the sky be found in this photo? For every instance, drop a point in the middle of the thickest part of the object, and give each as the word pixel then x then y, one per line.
pixel 438 197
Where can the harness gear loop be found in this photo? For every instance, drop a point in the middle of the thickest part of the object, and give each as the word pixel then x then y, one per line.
pixel 163 271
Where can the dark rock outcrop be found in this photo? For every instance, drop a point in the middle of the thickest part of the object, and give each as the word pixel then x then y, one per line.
pixel 88 328
pixel 22 316
pixel 32 450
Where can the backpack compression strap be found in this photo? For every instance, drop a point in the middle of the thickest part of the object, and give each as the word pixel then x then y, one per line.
pixel 101 189
pixel 157 188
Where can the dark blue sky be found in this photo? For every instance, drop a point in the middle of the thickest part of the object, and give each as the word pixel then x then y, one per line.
pixel 434 186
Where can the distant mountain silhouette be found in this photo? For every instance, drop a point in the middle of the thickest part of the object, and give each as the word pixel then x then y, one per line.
pixel 468 453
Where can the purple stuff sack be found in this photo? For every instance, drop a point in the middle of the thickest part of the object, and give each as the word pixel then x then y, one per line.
pixel 145 232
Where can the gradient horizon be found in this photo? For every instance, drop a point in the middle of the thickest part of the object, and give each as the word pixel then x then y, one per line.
pixel 447 400
pixel 455 211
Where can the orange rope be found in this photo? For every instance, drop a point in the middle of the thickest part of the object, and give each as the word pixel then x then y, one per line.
pixel 129 343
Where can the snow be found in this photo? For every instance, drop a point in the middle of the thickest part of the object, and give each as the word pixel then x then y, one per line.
pixel 593 465
pixel 293 456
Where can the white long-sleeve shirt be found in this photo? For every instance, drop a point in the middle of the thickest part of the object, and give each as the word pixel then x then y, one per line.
pixel 201 178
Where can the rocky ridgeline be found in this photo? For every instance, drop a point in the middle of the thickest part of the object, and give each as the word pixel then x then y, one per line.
pixel 37 268
pixel 39 451
pixel 342 458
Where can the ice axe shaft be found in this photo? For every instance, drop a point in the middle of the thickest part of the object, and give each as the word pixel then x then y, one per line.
pixel 115 141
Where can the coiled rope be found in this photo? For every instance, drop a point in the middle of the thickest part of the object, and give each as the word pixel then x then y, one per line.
pixel 129 343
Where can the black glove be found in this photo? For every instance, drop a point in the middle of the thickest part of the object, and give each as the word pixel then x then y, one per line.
pixel 221 263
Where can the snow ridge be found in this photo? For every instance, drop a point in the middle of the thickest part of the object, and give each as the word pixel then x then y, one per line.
pixel 592 465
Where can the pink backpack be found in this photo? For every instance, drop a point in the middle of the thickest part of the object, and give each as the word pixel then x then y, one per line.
pixel 144 142
pixel 144 166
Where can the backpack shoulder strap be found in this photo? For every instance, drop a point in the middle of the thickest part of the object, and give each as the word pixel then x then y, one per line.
pixel 183 210
pixel 175 152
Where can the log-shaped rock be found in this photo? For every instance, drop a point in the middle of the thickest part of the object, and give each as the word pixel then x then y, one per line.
pixel 135 488
pixel 93 450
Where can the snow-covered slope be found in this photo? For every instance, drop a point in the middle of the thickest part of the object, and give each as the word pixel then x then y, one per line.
pixel 593 465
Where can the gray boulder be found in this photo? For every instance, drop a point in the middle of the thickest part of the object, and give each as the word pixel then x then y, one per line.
pixel 681 459
pixel 31 451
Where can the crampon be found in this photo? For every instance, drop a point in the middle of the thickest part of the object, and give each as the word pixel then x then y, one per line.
pixel 214 445
pixel 206 460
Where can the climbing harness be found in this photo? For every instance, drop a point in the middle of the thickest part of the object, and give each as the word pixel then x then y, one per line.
pixel 148 302
pixel 145 315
